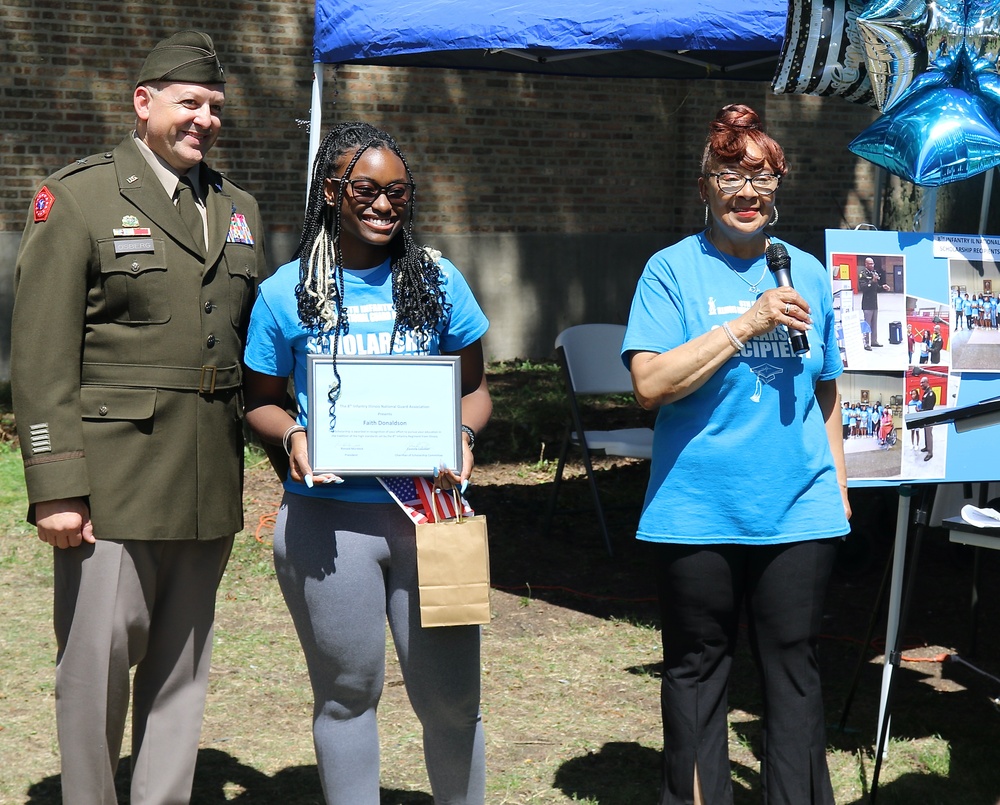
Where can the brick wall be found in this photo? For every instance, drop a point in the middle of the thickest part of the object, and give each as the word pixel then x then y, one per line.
pixel 493 152
pixel 537 154
pixel 542 173
pixel 65 91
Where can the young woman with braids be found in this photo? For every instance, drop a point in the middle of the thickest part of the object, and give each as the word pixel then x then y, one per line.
pixel 344 551
pixel 747 493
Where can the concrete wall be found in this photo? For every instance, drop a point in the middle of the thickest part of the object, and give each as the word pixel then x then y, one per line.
pixel 534 286
pixel 531 286
pixel 8 251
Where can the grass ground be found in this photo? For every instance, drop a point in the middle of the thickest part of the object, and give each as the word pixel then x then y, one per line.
pixel 570 660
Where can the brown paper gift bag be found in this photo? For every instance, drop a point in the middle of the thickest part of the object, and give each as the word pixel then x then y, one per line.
pixel 453 571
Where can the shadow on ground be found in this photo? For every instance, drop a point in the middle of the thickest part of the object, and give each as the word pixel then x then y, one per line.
pixel 221 778
pixel 955 700
pixel 567 565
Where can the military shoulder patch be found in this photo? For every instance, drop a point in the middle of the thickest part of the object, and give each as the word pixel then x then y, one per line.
pixel 43 204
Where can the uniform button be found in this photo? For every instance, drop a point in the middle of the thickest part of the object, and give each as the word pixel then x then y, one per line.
pixel 210 342
pixel 135 266
pixel 246 269
pixel 103 410
pixel 209 307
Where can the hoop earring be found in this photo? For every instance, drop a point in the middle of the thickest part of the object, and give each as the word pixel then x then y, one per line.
pixel 774 220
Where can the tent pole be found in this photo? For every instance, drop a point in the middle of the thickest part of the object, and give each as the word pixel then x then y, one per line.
pixel 315 120
pixel 928 208
pixel 880 182
pixel 985 207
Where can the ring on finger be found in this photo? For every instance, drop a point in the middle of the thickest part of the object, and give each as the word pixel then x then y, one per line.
pixel 788 306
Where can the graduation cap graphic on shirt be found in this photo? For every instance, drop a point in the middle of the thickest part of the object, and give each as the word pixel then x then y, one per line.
pixel 766 372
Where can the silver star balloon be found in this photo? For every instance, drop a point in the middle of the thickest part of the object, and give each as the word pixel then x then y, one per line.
pixel 933 68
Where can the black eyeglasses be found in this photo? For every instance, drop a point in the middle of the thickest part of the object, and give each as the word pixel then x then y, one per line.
pixel 731 182
pixel 367 191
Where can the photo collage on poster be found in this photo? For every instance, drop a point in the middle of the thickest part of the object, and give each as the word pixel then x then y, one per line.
pixel 916 315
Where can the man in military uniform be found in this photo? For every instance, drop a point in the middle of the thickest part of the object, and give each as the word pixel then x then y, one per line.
pixel 870 282
pixel 928 399
pixel 130 312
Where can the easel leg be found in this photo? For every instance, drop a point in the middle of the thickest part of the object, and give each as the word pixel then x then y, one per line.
pixel 984 494
pixel 895 600
pixel 899 605
pixel 866 643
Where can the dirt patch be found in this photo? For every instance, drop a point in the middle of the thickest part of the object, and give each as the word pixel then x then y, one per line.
pixel 560 602
pixel 571 659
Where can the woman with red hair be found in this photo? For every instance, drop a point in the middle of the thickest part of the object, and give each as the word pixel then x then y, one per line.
pixel 747 496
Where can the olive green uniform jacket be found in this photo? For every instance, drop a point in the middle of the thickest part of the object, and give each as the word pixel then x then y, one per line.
pixel 126 348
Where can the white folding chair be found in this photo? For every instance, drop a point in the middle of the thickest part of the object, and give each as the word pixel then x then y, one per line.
pixel 590 355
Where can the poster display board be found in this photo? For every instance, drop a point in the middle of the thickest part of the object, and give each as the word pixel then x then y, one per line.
pixel 918 327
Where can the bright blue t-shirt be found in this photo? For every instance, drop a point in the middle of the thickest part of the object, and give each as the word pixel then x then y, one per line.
pixel 746 457
pixel 278 344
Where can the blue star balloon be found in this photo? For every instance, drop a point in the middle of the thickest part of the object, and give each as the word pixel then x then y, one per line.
pixel 939 136
pixel 933 68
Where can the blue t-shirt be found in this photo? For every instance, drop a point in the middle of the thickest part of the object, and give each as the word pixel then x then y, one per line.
pixel 746 457
pixel 278 344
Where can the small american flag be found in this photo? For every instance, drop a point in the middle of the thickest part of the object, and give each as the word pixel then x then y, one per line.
pixel 415 494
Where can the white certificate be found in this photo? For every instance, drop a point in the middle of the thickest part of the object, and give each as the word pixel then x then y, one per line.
pixel 392 415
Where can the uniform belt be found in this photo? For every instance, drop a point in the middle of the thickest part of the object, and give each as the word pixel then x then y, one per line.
pixel 203 379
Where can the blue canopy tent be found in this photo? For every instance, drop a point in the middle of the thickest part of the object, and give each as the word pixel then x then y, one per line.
pixel 649 39
pixel 669 38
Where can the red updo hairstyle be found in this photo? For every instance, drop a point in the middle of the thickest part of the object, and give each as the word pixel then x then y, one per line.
pixel 735 127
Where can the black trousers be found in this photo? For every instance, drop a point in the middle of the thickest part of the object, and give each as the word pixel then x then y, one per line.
pixel 702 589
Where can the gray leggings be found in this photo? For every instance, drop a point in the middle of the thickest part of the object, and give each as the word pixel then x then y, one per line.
pixel 343 569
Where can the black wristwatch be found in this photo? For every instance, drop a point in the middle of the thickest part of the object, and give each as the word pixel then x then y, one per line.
pixel 471 434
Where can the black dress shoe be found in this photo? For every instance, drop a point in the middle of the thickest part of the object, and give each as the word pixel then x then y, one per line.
pixel 876 345
pixel 928 457
pixel 923 449
pixel 868 348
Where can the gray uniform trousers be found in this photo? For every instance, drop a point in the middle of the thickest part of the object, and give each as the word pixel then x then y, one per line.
pixel 162 596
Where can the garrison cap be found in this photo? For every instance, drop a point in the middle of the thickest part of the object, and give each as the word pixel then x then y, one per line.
pixel 188 57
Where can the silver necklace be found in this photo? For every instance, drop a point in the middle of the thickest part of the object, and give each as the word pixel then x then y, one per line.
pixel 752 285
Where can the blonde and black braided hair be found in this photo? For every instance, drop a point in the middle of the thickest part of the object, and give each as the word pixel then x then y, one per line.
pixel 417 292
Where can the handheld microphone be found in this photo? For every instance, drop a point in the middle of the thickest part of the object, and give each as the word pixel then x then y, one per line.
pixel 780 263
